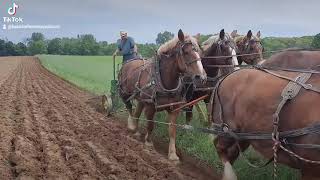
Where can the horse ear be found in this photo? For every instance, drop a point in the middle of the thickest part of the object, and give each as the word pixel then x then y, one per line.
pixel 258 34
pixel 222 34
pixel 234 33
pixel 197 37
pixel 180 35
pixel 249 34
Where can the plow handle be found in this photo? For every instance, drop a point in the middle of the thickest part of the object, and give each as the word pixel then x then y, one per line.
pixel 114 67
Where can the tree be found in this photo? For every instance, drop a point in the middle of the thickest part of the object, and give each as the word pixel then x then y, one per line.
pixel 204 38
pixel 36 44
pixel 316 42
pixel 3 51
pixel 21 49
pixel 55 46
pixel 37 37
pixel 37 47
pixel 10 49
pixel 164 37
pixel 88 45
pixel 70 46
pixel 147 50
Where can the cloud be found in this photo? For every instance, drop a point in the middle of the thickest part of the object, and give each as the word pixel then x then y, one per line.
pixel 145 18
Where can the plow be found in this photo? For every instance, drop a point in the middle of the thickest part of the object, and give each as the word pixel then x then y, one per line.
pixel 110 102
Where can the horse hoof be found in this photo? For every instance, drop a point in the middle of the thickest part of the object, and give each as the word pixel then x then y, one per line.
pixel 137 134
pixel 149 144
pixel 131 125
pixel 174 158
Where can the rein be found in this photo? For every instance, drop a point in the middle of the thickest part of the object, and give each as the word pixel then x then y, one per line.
pixel 265 52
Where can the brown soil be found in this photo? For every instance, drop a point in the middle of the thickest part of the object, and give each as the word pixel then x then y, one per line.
pixel 47 131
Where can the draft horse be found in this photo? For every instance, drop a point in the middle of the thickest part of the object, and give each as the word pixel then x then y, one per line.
pixel 157 82
pixel 249 47
pixel 219 50
pixel 281 96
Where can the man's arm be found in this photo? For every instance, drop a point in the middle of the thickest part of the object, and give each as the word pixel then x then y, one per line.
pixel 135 49
pixel 133 45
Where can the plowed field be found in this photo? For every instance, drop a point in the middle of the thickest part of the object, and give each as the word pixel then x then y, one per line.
pixel 47 131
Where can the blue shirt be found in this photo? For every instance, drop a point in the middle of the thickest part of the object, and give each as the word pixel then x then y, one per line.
pixel 126 48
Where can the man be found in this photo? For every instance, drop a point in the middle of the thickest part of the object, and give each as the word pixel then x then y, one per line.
pixel 126 47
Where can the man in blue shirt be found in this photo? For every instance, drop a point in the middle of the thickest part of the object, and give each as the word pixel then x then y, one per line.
pixel 126 47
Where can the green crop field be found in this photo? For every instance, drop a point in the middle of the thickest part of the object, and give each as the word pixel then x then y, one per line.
pixel 93 73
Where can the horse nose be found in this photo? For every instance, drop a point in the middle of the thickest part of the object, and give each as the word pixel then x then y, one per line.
pixel 203 78
pixel 197 76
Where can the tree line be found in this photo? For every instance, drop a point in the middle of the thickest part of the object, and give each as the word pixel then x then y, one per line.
pixel 88 45
pixel 81 45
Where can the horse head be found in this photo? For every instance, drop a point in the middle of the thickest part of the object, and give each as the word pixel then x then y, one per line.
pixel 222 47
pixel 250 44
pixel 186 51
pixel 220 44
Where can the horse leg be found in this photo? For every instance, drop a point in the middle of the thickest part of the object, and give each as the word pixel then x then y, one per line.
pixel 189 115
pixel 131 125
pixel 149 112
pixel 136 116
pixel 172 117
pixel 228 152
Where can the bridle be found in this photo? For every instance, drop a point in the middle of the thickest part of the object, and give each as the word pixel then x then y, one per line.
pixel 247 45
pixel 181 45
pixel 229 43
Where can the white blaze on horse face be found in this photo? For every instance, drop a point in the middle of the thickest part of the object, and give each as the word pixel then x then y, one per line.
pixel 200 67
pixel 234 58
pixel 228 173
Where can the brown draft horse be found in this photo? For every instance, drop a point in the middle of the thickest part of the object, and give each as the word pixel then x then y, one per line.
pixel 157 82
pixel 248 44
pixel 246 101
pixel 220 44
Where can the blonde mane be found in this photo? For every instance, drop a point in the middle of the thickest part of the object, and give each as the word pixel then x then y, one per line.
pixel 239 38
pixel 171 44
pixel 206 45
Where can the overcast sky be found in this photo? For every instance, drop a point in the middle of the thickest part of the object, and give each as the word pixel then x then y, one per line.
pixel 143 19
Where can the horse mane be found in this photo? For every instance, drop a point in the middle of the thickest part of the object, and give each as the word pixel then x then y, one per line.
pixel 206 45
pixel 171 44
pixel 239 38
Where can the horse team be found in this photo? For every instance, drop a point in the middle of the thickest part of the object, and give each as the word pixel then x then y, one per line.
pixel 247 98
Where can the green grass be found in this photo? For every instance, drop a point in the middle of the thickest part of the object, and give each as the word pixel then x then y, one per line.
pixel 94 74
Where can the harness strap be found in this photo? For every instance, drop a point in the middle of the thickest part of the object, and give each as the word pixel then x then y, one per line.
pixel 289 92
pixel 303 84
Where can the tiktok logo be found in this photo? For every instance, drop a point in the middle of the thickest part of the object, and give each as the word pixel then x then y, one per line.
pixel 13 10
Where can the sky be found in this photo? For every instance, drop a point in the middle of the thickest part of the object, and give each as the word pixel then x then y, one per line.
pixel 144 19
